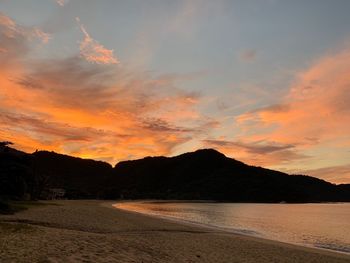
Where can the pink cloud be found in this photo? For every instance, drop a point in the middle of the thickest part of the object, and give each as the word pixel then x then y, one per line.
pixel 62 2
pixel 10 29
pixel 44 37
pixel 248 55
pixel 93 51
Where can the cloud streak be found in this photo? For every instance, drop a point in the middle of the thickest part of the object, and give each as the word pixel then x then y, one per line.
pixel 258 152
pixel 338 174
pixel 93 51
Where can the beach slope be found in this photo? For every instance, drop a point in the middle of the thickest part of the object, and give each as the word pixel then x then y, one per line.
pixel 94 231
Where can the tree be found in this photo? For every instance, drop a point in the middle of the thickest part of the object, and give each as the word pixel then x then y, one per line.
pixel 4 146
pixel 5 143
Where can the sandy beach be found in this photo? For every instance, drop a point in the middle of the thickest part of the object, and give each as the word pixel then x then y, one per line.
pixel 94 231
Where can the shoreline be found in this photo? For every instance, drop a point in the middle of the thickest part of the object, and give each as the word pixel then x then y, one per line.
pixel 96 231
pixel 218 228
pixel 222 201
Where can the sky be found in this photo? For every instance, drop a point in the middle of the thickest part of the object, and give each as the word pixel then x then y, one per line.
pixel 266 82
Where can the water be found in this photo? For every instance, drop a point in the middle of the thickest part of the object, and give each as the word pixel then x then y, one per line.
pixel 324 226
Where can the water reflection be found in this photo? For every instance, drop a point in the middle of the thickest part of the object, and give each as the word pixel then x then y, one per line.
pixel 319 225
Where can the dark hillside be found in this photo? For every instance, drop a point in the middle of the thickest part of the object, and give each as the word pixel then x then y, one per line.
pixel 209 175
pixel 205 174
pixel 81 178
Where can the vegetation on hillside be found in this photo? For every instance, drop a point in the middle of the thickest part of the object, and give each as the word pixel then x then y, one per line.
pixel 204 174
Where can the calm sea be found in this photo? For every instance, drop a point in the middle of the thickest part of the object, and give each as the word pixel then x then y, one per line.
pixel 318 225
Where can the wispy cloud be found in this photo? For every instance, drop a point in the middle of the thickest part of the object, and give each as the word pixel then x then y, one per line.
pixel 44 37
pixel 80 108
pixel 62 2
pixel 248 55
pixel 256 152
pixel 255 147
pixel 8 26
pixel 316 106
pixel 9 29
pixel 93 51
pixel 337 174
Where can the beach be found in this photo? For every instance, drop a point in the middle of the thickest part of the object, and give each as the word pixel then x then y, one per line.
pixel 95 231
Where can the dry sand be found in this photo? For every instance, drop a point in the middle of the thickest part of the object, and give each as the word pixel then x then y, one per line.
pixel 93 231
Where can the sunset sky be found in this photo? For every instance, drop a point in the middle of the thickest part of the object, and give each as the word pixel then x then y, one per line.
pixel 266 82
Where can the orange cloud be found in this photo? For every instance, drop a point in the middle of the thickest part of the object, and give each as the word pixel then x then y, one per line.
pixel 9 29
pixel 93 51
pixel 88 110
pixel 313 116
pixel 8 26
pixel 78 112
pixel 316 109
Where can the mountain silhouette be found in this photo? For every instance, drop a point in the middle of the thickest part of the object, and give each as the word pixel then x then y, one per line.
pixel 209 175
pixel 201 175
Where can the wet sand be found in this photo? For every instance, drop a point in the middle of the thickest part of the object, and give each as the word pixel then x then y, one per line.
pixel 94 231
